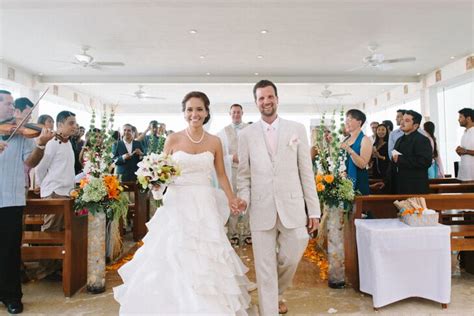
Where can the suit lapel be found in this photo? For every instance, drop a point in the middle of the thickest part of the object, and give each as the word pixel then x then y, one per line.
pixel 281 136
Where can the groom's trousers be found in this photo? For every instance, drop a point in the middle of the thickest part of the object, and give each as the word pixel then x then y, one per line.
pixel 277 253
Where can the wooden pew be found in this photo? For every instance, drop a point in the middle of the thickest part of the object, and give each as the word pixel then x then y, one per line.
pixel 460 187
pixel 140 210
pixel 382 206
pixel 69 245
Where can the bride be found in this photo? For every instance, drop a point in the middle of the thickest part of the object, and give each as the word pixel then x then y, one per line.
pixel 186 264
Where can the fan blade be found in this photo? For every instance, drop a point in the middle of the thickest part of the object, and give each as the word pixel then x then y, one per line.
pixel 129 95
pixel 356 68
pixel 155 98
pixel 109 63
pixel 340 95
pixel 61 61
pixel 399 60
pixel 383 67
pixel 94 66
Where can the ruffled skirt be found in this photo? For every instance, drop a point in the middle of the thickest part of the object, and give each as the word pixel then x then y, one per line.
pixel 186 264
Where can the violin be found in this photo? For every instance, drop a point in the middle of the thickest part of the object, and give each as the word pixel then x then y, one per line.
pixel 28 130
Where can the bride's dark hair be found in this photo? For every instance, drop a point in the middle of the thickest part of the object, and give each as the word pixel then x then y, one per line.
pixel 203 97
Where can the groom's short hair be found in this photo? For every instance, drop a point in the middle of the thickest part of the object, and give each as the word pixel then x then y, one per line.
pixel 263 84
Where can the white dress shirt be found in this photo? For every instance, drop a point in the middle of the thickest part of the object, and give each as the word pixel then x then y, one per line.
pixel 271 133
pixel 129 148
pixel 56 170
pixel 466 167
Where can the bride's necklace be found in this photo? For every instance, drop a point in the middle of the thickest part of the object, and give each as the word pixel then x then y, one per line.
pixel 192 140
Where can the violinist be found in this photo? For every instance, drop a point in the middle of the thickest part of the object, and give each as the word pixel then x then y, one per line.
pixel 56 174
pixel 23 108
pixel 14 152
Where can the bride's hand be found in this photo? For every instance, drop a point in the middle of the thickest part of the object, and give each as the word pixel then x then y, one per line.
pixel 234 205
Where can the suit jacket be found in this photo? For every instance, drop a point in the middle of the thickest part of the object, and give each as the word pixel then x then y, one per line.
pixel 277 184
pixel 126 168
pixel 410 173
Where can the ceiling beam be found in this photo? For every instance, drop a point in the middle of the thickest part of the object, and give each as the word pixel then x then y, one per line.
pixel 150 80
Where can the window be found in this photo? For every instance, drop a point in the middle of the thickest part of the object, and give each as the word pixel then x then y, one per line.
pixel 390 112
pixel 450 100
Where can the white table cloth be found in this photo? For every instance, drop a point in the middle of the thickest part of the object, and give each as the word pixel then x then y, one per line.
pixel 397 261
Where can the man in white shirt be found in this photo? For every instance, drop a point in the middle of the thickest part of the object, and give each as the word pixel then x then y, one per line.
pixel 466 150
pixel 55 172
pixel 229 137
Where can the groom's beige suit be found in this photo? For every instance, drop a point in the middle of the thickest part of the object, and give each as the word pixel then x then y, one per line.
pixel 276 180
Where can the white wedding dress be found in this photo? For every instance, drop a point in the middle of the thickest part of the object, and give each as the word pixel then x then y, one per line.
pixel 186 264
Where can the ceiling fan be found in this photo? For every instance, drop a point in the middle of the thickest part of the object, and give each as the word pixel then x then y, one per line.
pixel 140 94
pixel 378 61
pixel 326 93
pixel 85 60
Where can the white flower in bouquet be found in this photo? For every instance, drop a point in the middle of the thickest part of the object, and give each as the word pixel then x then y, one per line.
pixel 157 169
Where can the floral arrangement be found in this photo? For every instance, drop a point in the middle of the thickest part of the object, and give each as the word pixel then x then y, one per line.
pixel 100 191
pixel 156 144
pixel 157 169
pixel 332 184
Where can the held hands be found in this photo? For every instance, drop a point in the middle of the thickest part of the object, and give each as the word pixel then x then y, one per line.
pixel 45 136
pixel 395 158
pixel 237 205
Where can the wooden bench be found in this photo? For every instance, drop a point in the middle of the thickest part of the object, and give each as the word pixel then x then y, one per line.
pixel 381 206
pixel 460 187
pixel 139 211
pixel 69 245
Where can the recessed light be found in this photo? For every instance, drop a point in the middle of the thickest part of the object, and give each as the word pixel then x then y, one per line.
pixel 202 56
pixel 40 74
pixel 418 73
pixel 256 73
pixel 208 73
pixel 264 31
pixel 452 57
pixel 260 56
pixel 193 31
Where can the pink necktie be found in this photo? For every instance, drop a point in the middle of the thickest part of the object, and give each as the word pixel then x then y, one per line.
pixel 271 139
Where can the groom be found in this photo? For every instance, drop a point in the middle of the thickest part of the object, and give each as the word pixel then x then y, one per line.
pixel 276 181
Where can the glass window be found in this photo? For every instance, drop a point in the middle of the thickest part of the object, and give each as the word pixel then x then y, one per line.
pixel 450 101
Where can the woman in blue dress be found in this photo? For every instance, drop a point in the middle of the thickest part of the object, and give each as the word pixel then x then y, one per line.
pixel 358 148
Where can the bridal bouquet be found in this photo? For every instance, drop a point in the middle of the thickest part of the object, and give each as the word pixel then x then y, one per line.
pixel 157 169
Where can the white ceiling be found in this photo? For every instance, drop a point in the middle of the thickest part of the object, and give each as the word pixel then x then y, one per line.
pixel 309 43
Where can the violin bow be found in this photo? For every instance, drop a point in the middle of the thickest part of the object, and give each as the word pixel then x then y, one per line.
pixel 27 117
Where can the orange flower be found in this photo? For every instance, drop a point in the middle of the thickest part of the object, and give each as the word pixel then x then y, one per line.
pixel 319 178
pixel 74 194
pixel 83 182
pixel 329 178
pixel 113 186
pixel 320 187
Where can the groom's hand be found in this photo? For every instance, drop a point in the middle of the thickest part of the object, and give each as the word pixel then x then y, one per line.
pixel 313 224
pixel 242 205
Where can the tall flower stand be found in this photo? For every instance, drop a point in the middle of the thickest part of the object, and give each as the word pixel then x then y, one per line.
pixel 335 235
pixel 96 253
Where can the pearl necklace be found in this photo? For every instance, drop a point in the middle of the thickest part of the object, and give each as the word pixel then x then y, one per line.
pixel 192 140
